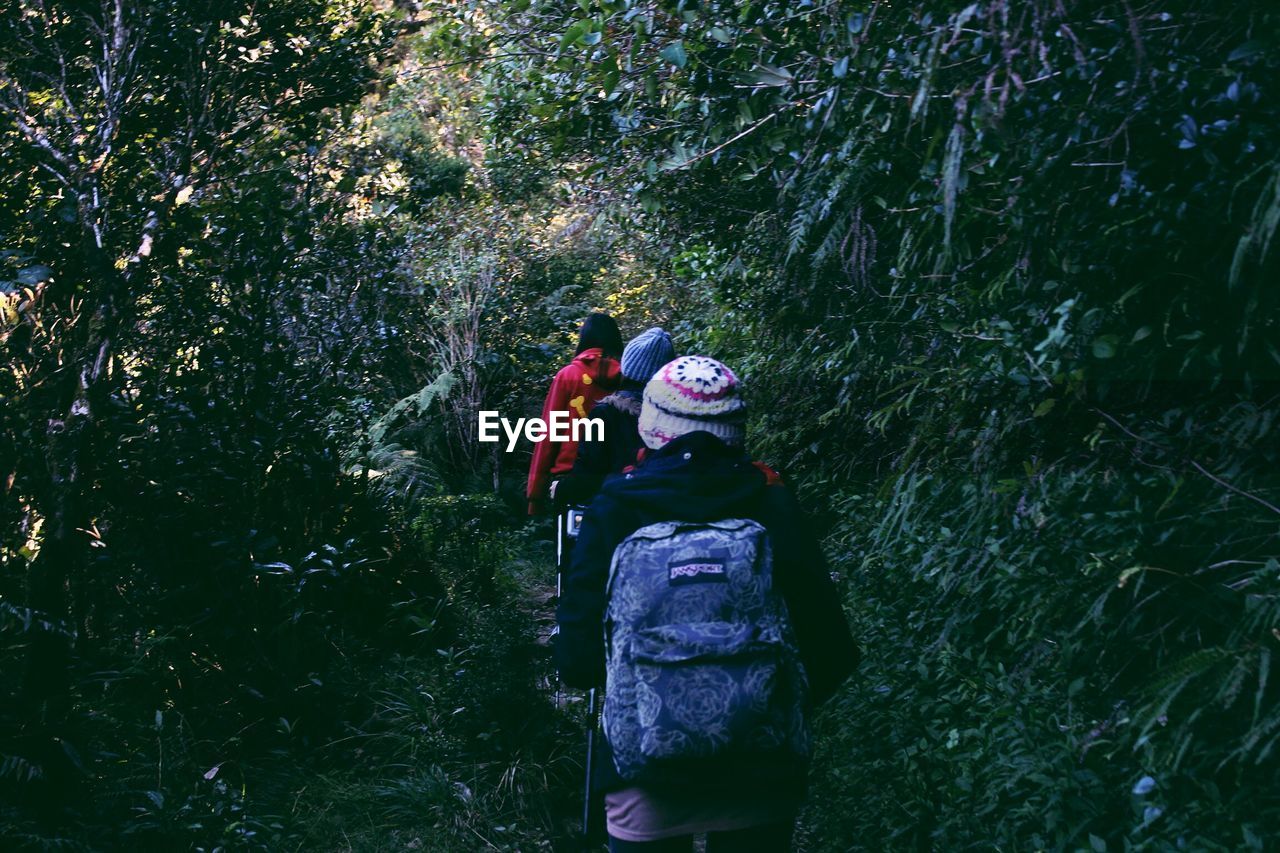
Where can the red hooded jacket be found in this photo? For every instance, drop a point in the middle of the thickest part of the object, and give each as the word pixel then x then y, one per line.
pixel 578 386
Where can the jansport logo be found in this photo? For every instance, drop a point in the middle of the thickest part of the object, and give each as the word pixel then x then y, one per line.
pixel 696 571
pixel 562 426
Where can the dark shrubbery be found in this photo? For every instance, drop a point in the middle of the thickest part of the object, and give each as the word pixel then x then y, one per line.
pixel 998 275
pixel 215 588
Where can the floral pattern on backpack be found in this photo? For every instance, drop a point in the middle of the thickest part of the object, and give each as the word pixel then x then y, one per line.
pixel 701 659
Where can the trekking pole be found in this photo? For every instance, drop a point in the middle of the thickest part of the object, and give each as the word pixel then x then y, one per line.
pixel 559 552
pixel 567 525
pixel 555 629
pixel 591 748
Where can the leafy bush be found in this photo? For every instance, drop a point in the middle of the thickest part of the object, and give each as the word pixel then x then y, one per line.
pixel 996 275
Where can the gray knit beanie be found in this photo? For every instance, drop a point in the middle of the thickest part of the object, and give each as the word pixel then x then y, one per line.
pixel 645 353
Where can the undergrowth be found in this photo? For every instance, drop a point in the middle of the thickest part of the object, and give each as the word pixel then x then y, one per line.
pixel 392 696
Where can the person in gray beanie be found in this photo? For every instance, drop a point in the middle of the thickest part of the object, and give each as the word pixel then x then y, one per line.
pixel 620 413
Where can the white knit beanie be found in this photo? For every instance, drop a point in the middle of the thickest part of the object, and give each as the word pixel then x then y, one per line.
pixel 692 393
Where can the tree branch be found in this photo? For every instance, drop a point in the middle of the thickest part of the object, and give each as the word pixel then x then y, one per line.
pixel 1241 492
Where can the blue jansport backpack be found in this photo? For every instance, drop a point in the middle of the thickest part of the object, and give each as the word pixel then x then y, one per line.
pixel 701 660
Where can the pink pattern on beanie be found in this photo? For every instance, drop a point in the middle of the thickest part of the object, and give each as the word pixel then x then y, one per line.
pixel 692 393
pixel 699 378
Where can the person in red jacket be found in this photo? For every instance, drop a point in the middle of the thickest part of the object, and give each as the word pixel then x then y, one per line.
pixel 592 375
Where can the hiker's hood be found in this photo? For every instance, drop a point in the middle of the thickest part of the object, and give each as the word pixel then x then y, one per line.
pixel 596 364
pixel 624 401
pixel 696 477
pixel 590 357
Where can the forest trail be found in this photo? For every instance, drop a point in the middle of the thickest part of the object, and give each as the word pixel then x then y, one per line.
pixel 998 277
pixel 542 610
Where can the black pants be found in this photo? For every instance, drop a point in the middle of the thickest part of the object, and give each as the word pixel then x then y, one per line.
pixel 774 838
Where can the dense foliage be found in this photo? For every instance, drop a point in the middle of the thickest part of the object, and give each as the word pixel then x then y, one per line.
pixel 996 275
pixel 999 276
pixel 226 611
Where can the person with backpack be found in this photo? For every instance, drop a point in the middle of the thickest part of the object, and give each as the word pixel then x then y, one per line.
pixel 577 387
pixel 698 598
pixel 619 414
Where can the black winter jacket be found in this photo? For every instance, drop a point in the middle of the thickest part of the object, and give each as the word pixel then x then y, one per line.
pixel 697 477
pixel 620 415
